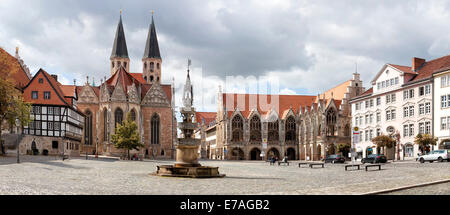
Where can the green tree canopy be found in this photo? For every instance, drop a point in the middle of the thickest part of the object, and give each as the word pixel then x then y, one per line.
pixel 126 136
pixel 384 141
pixel 424 141
pixel 12 105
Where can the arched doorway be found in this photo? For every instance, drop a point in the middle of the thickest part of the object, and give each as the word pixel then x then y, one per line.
pixel 273 152
pixel 290 152
pixel 409 150
pixel 34 148
pixel 237 154
pixel 255 154
pixel 369 151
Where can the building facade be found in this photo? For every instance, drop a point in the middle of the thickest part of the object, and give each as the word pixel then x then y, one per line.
pixel 441 107
pixel 206 132
pixel 141 95
pixel 257 127
pixel 57 124
pixel 399 104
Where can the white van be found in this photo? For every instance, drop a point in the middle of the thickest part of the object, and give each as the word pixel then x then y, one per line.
pixel 436 155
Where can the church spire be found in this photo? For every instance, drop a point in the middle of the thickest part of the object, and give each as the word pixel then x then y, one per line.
pixel 151 46
pixel 119 55
pixel 152 58
pixel 120 44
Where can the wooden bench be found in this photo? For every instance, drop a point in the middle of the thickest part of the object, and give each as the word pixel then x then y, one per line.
pixel 300 164
pixel 372 165
pixel 317 164
pixel 357 165
pixel 281 162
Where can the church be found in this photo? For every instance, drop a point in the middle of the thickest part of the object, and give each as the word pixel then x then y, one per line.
pixel 149 102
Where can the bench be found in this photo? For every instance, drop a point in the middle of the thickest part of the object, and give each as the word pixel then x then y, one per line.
pixel 317 164
pixel 65 157
pixel 300 164
pixel 357 165
pixel 373 165
pixel 283 162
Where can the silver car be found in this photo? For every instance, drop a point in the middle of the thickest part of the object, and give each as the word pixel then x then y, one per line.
pixel 436 155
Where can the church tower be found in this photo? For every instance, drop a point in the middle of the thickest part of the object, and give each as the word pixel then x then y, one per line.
pixel 119 55
pixel 152 59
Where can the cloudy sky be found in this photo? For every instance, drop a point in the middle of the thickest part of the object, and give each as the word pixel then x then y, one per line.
pixel 308 46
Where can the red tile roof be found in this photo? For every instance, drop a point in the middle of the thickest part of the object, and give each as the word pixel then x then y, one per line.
pixel 69 90
pixel 17 73
pixel 206 117
pixel 405 69
pixel 427 70
pixel 285 102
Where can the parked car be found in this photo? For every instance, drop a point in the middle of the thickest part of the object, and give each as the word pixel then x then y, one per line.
pixel 436 155
pixel 374 158
pixel 334 159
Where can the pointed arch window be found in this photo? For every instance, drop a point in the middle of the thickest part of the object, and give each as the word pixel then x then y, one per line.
pixel 290 129
pixel 155 129
pixel 118 117
pixel 237 128
pixel 273 131
pixel 255 129
pixel 133 115
pixel 331 122
pixel 88 128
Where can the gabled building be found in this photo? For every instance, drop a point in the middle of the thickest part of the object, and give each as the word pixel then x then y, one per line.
pixel 399 104
pixel 57 125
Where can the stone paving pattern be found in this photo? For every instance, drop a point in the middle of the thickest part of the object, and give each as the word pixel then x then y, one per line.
pixel 50 175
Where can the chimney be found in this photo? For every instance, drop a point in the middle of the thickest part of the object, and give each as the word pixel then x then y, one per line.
pixel 55 77
pixel 417 63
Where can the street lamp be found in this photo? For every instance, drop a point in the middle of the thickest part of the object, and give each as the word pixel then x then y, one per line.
pixel 17 140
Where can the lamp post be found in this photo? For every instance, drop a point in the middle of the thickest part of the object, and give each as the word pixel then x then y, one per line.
pixel 17 140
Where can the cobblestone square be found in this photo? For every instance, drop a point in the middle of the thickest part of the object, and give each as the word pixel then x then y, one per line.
pixel 50 175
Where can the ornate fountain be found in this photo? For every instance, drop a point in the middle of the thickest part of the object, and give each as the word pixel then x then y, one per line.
pixel 187 164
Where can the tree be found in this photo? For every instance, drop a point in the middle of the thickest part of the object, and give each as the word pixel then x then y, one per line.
pixel 126 136
pixel 384 141
pixel 12 105
pixel 424 142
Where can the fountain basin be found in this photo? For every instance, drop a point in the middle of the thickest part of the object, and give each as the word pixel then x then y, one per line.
pixel 188 171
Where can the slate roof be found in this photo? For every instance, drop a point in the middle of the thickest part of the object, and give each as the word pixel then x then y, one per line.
pixel 151 46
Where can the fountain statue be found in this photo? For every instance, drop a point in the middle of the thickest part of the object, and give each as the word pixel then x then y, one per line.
pixel 187 164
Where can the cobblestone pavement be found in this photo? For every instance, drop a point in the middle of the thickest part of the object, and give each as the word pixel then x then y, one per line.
pixel 437 189
pixel 50 175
